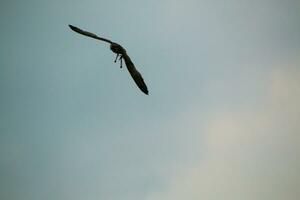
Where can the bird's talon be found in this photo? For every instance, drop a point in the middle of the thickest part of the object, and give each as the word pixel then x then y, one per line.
pixel 116 58
pixel 121 61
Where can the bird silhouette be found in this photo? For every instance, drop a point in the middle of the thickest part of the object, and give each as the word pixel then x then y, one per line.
pixel 121 54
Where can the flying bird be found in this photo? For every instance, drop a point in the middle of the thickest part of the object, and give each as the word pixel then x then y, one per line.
pixel 121 54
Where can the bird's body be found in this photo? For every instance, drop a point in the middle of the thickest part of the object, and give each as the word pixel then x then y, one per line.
pixel 116 48
pixel 120 51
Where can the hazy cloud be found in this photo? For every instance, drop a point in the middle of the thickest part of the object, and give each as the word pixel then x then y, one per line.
pixel 250 153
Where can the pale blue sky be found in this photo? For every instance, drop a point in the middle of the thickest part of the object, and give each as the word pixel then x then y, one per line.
pixel 221 120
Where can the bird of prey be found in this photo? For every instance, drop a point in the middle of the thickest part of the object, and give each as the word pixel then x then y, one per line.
pixel 121 54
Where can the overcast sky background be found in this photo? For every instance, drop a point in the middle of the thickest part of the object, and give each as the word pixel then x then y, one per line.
pixel 221 121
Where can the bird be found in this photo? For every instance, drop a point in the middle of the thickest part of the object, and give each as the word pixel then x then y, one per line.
pixel 121 54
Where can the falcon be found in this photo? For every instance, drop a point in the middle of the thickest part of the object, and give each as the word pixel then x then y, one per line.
pixel 121 55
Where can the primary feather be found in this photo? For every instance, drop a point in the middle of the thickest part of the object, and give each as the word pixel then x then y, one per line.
pixel 137 77
pixel 86 33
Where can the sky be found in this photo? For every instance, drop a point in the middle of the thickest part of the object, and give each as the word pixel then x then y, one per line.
pixel 221 120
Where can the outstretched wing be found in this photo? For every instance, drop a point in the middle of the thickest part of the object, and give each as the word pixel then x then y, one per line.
pixel 137 77
pixel 92 35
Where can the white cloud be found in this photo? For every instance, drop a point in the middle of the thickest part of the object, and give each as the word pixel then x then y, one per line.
pixel 251 153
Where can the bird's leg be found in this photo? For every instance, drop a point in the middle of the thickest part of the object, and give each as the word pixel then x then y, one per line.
pixel 116 57
pixel 121 61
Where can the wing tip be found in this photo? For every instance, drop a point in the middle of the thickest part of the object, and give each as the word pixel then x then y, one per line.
pixel 74 28
pixel 145 91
